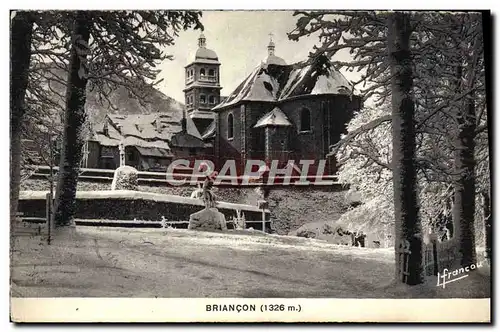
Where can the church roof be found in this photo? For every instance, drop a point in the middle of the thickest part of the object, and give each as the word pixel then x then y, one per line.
pixel 275 60
pixel 206 54
pixel 274 118
pixel 258 86
pixel 273 82
pixel 203 54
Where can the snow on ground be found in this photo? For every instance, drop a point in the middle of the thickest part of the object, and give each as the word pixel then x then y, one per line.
pixel 120 262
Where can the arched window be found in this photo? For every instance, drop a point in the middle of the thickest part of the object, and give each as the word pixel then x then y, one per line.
pixel 203 99
pixel 202 72
pixel 211 72
pixel 211 99
pixel 305 120
pixel 230 126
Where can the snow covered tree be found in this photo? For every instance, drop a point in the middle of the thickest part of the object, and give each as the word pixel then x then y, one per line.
pixel 436 102
pixel 73 122
pixel 464 159
pixel 381 43
pixel 455 47
pixel 35 36
pixel 109 49
pixel 365 168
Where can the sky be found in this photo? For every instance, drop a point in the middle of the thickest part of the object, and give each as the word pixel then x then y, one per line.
pixel 240 39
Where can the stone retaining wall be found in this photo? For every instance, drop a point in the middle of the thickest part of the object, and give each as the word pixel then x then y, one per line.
pixel 290 207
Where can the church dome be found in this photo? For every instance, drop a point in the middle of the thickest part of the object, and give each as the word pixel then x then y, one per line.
pixel 271 58
pixel 203 53
pixel 275 60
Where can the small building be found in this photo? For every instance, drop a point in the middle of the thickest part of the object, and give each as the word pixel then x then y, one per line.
pixel 188 144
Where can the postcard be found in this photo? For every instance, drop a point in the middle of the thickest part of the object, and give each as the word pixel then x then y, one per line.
pixel 250 166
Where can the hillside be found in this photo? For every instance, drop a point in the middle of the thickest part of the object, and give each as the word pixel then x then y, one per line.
pixel 121 101
pixel 124 104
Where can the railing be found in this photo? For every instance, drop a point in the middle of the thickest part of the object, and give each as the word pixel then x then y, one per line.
pixel 210 79
pixel 160 178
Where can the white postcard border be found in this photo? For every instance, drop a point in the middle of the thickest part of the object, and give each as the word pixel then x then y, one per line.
pixel 248 310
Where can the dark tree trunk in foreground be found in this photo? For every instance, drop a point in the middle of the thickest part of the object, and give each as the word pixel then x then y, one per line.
pixel 21 33
pixel 465 184
pixel 73 123
pixel 407 229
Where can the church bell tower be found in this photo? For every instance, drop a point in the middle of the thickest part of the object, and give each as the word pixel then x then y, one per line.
pixel 202 88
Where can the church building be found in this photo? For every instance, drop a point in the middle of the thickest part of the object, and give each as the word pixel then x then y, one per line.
pixel 279 111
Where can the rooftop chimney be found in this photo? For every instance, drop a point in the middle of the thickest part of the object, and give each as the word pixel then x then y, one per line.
pixel 184 122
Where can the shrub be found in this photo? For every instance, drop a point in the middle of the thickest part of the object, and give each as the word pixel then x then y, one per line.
pixel 125 178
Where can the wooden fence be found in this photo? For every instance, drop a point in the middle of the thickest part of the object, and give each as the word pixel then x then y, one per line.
pixel 439 255
pixel 160 179
pixel 436 257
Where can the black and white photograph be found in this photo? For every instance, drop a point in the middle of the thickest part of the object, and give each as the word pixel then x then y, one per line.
pixel 255 161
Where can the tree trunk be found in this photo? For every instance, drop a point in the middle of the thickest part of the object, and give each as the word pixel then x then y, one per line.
pixel 465 186
pixel 71 153
pixel 408 230
pixel 464 162
pixel 487 223
pixel 21 33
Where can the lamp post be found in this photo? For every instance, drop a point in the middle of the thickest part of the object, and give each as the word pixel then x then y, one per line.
pixel 121 147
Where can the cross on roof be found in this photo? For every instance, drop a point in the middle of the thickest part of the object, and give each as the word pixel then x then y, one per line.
pixel 271 36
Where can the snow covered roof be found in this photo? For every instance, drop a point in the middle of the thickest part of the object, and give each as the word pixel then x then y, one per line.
pixel 142 130
pixel 258 86
pixel 276 82
pixel 186 140
pixel 274 118
pixel 326 79
pixel 210 131
pixel 191 128
pixel 145 126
